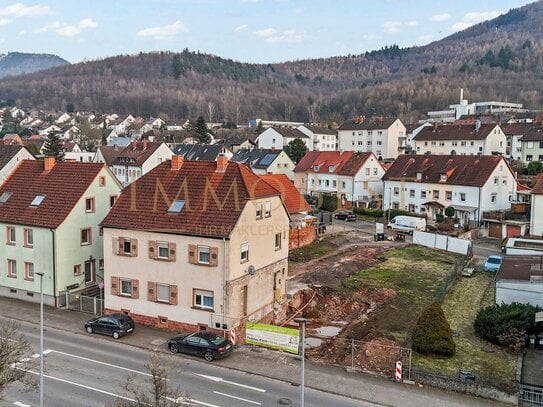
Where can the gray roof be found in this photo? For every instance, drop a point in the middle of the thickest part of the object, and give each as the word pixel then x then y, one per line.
pixel 198 152
pixel 372 123
pixel 320 130
pixel 256 158
pixel 7 152
pixel 290 133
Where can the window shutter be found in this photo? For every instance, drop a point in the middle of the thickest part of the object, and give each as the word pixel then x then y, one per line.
pixel 134 243
pixel 214 256
pixel 135 289
pixel 172 251
pixel 151 291
pixel 115 281
pixel 152 249
pixel 118 245
pixel 173 294
pixel 192 254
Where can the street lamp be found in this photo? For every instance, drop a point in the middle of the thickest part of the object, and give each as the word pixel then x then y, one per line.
pixel 302 322
pixel 41 338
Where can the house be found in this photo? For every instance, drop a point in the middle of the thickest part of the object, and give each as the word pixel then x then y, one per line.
pixel 11 138
pixel 513 134
pixel 50 213
pixel 478 139
pixel 121 124
pixel 201 152
pixel 106 154
pixel 279 137
pixel 427 184
pixel 354 177
pixel 536 218
pixel 63 118
pixel 156 122
pixel 323 139
pixel 47 129
pixel 176 125
pixel 10 157
pixel 209 251
pixel 256 123
pixel 520 279
pixel 265 161
pixel 236 143
pixel 382 136
pixel 532 143
pixel 138 158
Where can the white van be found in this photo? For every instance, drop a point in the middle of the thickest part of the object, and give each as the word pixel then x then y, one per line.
pixel 407 223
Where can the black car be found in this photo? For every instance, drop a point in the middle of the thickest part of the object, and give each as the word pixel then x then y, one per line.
pixel 115 325
pixel 206 344
pixel 345 215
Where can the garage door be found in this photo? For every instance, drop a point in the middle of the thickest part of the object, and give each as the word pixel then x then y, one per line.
pixel 495 230
pixel 513 231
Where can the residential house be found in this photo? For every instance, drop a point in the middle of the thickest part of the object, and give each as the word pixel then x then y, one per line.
pixel 156 122
pixel 382 136
pixel 138 158
pixel 106 155
pixel 279 137
pixel 322 138
pixel 520 279
pixel 176 125
pixel 266 161
pixel 236 143
pixel 427 184
pixel 11 139
pixel 10 157
pixel 50 213
pixel 513 134
pixel 63 119
pixel 532 143
pixel 121 124
pixel 478 139
pixel 354 177
pixel 201 152
pixel 47 129
pixel 256 123
pixel 536 218
pixel 209 251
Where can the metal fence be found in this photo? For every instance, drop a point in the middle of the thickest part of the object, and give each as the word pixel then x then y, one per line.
pixel 82 303
pixel 530 395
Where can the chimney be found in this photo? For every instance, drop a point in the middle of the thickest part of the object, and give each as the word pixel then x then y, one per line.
pixel 477 125
pixel 222 163
pixel 177 162
pixel 48 163
pixel 134 144
pixel 461 95
pixel 144 144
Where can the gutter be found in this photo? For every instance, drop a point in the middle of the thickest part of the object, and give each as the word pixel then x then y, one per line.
pixel 54 267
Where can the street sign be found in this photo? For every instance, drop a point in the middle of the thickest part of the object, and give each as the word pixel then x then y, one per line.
pixel 539 316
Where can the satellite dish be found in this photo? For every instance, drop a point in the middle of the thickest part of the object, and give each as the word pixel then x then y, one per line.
pixel 251 269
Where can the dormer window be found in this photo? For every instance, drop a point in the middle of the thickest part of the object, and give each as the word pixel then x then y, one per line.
pixel 419 176
pixel 443 177
pixel 331 168
pixel 5 196
pixel 177 206
pixel 37 200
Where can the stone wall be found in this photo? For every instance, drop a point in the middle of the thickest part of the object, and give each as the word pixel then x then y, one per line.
pixel 301 237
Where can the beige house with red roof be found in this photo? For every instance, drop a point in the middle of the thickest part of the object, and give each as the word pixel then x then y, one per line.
pixel 536 218
pixel 197 245
pixel 354 177
pixel 49 214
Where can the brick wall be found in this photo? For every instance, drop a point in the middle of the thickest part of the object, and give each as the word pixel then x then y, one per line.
pixel 301 237
pixel 157 322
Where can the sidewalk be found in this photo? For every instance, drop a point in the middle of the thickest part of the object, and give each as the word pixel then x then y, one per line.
pixel 263 362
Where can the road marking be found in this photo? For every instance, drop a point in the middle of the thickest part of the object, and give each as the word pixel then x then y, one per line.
pixel 36 355
pixel 190 402
pixel 220 379
pixel 19 404
pixel 48 351
pixel 237 398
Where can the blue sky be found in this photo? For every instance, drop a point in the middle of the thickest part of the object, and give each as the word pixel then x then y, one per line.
pixel 259 31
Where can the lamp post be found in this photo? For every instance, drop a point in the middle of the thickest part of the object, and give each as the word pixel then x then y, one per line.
pixel 389 202
pixel 41 338
pixel 302 322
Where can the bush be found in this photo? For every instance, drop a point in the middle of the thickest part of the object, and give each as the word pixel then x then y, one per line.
pixel 374 213
pixel 432 334
pixel 494 323
pixel 439 217
pixel 450 211
pixel 329 203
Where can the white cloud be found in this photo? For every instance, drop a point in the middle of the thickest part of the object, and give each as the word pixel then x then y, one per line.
pixel 21 10
pixel 426 37
pixel 472 18
pixel 47 27
pixel 412 23
pixel 163 33
pixel 5 21
pixel 287 36
pixel 241 27
pixel 440 17
pixel 68 31
pixel 461 26
pixel 266 32
pixel 88 23
pixel 391 26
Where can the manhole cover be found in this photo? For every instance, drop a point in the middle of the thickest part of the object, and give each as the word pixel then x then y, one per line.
pixel 284 402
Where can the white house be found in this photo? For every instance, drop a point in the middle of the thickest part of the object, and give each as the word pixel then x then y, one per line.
pixel 520 279
pixel 263 161
pixel 322 138
pixel 427 184
pixel 382 136
pixel 536 218
pixel 279 137
pixel 10 157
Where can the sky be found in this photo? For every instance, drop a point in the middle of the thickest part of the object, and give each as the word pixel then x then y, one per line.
pixel 259 31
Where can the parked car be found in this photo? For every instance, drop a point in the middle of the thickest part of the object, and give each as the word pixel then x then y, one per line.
pixel 202 343
pixel 115 325
pixel 493 263
pixel 345 215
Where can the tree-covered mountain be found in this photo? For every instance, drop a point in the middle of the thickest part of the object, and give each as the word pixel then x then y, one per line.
pixel 17 63
pixel 501 59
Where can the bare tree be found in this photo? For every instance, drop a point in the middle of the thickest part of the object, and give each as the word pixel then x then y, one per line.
pixel 13 349
pixel 211 111
pixel 156 392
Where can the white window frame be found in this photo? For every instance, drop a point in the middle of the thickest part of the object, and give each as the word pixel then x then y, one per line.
pixel 11 235
pixel 163 285
pixel 89 237
pixel 163 245
pixel 12 268
pixel 203 250
pixel 462 197
pixel 203 294
pixel 121 290
pixel 28 237
pixel 278 241
pixel 493 197
pixel 29 271
pixel 244 252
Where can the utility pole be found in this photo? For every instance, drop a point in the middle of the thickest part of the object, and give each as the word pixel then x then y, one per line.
pixel 302 322
pixel 41 338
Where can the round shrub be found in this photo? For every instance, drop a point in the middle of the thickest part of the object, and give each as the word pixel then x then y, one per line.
pixel 432 334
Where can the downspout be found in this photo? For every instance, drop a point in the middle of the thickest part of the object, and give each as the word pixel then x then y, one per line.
pixel 54 267
pixel 225 279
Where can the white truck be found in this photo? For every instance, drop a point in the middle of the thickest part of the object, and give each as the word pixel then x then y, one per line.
pixel 407 223
pixel 523 247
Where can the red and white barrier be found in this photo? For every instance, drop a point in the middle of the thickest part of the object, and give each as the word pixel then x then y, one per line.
pixel 398 374
pixel 232 335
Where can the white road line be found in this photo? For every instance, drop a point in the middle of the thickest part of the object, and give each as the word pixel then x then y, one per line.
pixel 36 355
pixel 237 398
pixel 220 379
pixel 19 404
pixel 47 351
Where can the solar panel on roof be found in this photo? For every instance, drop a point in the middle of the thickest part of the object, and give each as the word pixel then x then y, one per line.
pixel 267 159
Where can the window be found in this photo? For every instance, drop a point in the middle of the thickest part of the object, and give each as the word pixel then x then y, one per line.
pixel 112 199
pixel 380 133
pixel 425 144
pixel 29 237
pixel 203 299
pixel 163 292
pixel 204 255
pixel 493 198
pixel 396 190
pixel 163 250
pixel 37 200
pixel 530 144
pixel 77 270
pixel 10 235
pixel 379 143
pixel 278 241
pixel 368 171
pixel 423 194
pixel 495 180
pixel 29 271
pixel 259 208
pixel 441 144
pixel 433 143
pixel 448 195
pixel 455 143
pixel 86 237
pixel 463 143
pixel 244 252
pixel 334 183
pixel 5 196
pixel 177 206
pixel 127 247
pixel 102 181
pixel 12 268
pixel 327 183
pixel 126 287
pixel 369 142
pixel 343 184
pixel 504 182
pixel 411 193
pixel 375 170
pixel 540 158
pixel 436 194
pixel 267 209
pixel 529 157
pixel 462 197
pixel 89 205
pixel 471 143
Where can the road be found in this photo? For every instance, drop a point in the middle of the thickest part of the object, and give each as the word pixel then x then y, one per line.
pixel 85 370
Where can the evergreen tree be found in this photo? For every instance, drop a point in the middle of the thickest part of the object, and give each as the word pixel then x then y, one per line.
pixel 296 149
pixel 177 67
pixel 53 147
pixel 432 334
pixel 199 130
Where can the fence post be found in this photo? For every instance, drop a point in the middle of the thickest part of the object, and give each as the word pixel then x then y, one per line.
pixel 67 300
pixel 352 354
pixel 94 305
pixel 409 367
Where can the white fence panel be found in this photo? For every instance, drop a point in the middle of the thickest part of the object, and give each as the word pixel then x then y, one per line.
pixel 443 242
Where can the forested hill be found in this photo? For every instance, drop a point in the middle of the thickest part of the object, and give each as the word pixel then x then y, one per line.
pixel 16 63
pixel 501 59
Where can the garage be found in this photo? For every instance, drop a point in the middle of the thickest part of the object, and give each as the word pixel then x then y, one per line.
pixel 495 230
pixel 513 231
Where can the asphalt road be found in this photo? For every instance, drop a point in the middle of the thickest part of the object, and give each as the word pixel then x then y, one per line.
pixel 89 370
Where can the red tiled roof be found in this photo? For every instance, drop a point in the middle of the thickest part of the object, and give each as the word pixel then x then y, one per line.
pixel 522 187
pixel 340 162
pixel 455 132
pixel 214 200
pixel 466 170
pixel 538 186
pixel 62 186
pixel 293 200
pixel 139 151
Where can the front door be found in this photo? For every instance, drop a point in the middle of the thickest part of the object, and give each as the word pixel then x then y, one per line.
pixel 90 271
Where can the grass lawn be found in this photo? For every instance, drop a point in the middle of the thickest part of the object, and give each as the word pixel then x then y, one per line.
pixel 461 305
pixel 417 274
pixel 313 251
